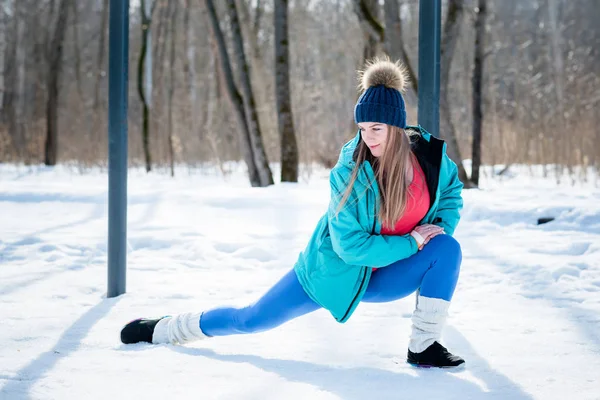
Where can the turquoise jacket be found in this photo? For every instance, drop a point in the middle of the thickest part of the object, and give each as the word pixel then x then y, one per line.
pixel 335 267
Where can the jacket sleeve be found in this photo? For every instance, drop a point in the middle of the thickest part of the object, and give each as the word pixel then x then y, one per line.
pixel 450 202
pixel 355 245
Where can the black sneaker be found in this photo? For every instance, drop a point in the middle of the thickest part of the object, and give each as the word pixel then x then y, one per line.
pixel 139 330
pixel 435 355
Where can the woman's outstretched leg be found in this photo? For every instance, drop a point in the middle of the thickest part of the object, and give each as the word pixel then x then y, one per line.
pixel 285 301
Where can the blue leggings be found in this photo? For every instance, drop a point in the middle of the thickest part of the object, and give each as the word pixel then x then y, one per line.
pixel 433 270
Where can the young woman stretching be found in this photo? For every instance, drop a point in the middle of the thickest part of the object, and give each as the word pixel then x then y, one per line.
pixel 395 201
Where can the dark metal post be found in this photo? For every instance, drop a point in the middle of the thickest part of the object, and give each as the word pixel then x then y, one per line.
pixel 118 64
pixel 430 26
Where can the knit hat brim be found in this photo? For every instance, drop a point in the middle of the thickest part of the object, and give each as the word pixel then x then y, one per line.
pixel 382 113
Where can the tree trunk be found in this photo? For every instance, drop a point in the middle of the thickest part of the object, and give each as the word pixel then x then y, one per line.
pixel 367 12
pixel 449 40
pixel 145 67
pixel 158 43
pixel 77 51
pixel 54 57
pixel 261 75
pixel 173 21
pixel 289 147
pixel 213 85
pixel 189 66
pixel 394 45
pixel 258 150
pixel 251 27
pixel 100 72
pixel 10 103
pixel 258 11
pixel 477 89
pixel 234 95
pixel 559 74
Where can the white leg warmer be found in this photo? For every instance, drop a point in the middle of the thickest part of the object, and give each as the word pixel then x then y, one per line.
pixel 178 329
pixel 428 320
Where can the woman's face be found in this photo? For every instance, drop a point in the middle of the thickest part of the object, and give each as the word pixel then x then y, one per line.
pixel 375 136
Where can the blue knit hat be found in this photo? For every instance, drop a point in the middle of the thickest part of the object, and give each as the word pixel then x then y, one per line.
pixel 381 101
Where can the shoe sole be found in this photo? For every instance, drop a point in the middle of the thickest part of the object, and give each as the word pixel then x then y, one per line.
pixel 426 366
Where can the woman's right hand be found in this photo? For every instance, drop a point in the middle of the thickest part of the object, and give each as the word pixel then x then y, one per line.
pixel 428 232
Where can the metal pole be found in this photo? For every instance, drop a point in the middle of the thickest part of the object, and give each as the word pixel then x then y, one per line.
pixel 118 64
pixel 430 26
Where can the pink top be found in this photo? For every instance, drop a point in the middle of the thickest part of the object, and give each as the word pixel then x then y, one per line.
pixel 417 206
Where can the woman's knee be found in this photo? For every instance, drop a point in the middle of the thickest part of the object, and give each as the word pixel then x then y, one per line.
pixel 447 245
pixel 247 320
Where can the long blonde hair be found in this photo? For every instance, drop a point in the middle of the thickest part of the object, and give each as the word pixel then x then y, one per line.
pixel 391 171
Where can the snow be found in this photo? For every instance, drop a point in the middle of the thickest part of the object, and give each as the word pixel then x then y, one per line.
pixel 525 316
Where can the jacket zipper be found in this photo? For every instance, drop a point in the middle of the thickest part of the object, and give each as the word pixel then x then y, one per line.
pixel 355 297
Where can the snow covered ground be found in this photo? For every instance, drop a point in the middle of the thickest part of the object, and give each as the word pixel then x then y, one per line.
pixel 526 314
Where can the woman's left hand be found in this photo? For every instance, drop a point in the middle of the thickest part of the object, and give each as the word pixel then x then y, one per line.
pixel 432 235
pixel 428 231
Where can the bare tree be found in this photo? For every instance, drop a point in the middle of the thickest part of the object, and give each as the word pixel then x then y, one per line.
pixel 258 150
pixel 540 68
pixel 251 25
pixel 289 147
pixel 54 52
pixel 234 96
pixel 10 113
pixel 394 44
pixel 189 64
pixel 77 50
pixel 144 79
pixel 367 12
pixel 251 13
pixel 213 97
pixel 100 73
pixel 173 22
pixel 558 72
pixel 449 40
pixel 477 89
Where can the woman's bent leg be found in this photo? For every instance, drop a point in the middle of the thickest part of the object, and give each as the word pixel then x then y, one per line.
pixel 434 270
pixel 283 302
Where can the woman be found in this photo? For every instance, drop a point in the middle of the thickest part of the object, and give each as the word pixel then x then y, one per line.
pixel 395 201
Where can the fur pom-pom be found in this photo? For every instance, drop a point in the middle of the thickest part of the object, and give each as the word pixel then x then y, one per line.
pixel 382 71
